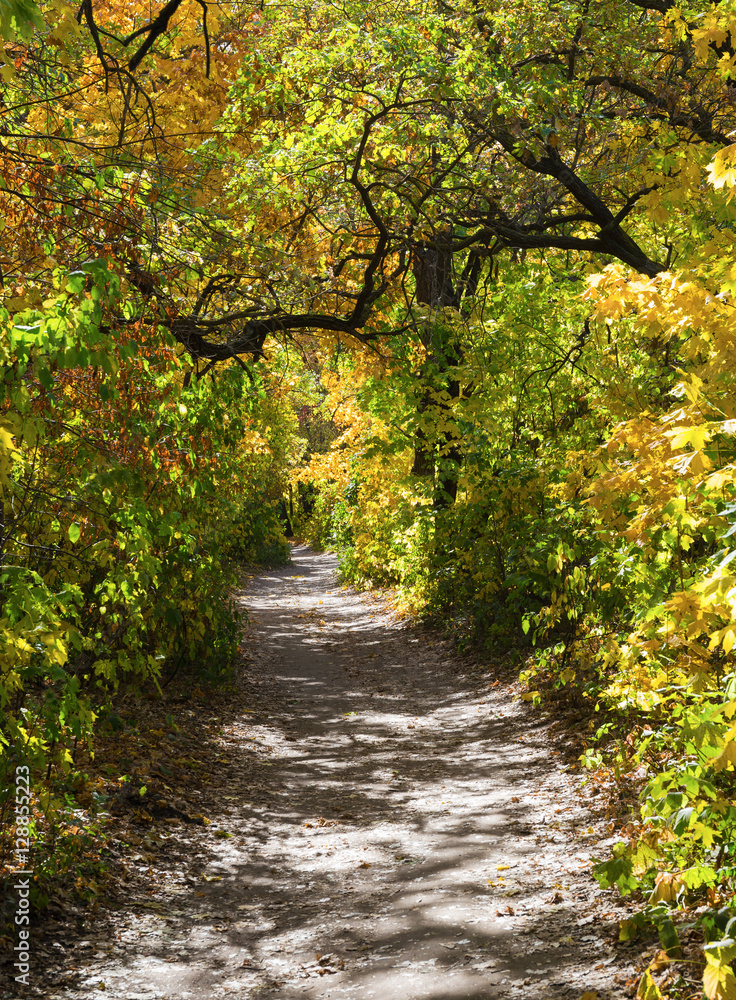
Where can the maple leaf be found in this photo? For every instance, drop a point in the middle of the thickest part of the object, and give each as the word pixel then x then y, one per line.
pixel 727 757
pixel 722 168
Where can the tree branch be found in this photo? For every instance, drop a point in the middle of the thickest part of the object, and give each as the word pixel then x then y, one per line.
pixel 615 242
pixel 700 124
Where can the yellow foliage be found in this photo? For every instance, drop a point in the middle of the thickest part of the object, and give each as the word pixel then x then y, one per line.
pixel 648 989
pixel 719 982
pixel 666 888
pixel 722 169
pixel 727 757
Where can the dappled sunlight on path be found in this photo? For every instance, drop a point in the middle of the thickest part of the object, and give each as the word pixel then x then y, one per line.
pixel 411 841
pixel 396 826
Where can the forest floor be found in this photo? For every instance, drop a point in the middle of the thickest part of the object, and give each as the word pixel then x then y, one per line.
pixel 386 820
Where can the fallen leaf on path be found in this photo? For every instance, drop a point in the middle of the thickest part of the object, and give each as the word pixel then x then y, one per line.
pixel 660 961
pixel 363 864
pixel 212 878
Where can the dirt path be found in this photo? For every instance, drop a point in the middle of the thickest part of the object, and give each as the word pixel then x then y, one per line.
pixel 388 828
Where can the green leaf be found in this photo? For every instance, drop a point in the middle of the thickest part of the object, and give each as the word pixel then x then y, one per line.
pixel 74 532
pixel 668 936
pixel 618 872
pixel 18 18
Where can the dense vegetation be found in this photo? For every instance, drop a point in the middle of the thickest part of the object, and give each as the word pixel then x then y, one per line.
pixel 458 278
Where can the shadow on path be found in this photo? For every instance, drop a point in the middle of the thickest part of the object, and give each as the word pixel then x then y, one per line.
pixel 389 827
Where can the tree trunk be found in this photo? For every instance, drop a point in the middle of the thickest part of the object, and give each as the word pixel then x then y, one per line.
pixel 432 267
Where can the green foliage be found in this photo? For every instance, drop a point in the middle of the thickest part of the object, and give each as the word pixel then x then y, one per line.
pixel 18 18
pixel 129 492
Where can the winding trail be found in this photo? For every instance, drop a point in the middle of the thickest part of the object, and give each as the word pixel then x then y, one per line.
pixel 392 827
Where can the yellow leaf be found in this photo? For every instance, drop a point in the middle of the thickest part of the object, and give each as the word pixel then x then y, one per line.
pixel 6 440
pixel 693 463
pixel 648 989
pixel 719 982
pixel 722 169
pixel 660 961
pixel 666 887
pixel 717 480
pixel 55 649
pixel 696 436
pixel 725 757
pixel 728 640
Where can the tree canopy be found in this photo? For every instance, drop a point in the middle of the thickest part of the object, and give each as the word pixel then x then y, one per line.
pixel 254 173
